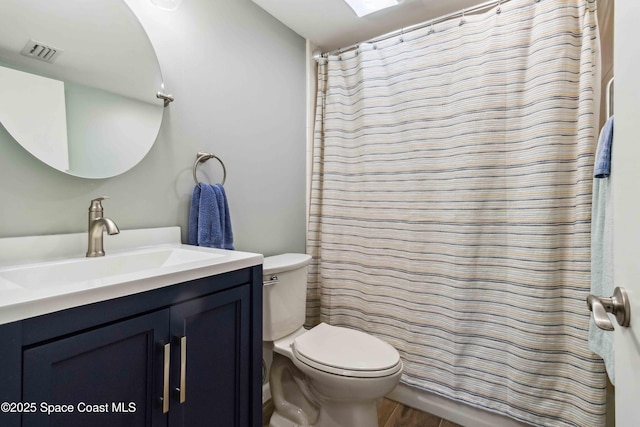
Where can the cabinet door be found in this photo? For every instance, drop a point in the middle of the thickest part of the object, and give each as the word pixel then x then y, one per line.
pixel 111 376
pixel 211 356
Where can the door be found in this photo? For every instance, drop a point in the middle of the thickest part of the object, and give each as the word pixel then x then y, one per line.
pixel 625 181
pixel 106 377
pixel 211 361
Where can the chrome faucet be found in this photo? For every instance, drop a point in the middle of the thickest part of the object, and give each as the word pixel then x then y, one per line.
pixel 97 225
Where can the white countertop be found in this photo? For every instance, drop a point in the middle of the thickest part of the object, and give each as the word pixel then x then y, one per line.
pixel 26 291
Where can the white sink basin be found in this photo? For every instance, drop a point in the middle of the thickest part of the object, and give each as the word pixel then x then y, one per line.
pixel 93 272
pixel 43 274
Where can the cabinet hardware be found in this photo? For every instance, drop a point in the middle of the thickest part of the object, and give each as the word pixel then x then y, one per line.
pixel 183 369
pixel 165 387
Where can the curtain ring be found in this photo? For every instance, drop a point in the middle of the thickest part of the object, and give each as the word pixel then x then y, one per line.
pixel 462 21
pixel 431 30
pixel 499 9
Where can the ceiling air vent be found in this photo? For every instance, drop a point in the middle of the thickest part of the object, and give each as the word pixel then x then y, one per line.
pixel 41 51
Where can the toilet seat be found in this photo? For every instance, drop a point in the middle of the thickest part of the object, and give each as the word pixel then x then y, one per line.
pixel 346 352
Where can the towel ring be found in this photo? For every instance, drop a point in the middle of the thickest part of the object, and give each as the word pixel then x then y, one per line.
pixel 203 157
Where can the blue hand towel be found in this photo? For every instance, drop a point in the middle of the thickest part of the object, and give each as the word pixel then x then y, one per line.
pixel 192 235
pixel 209 226
pixel 209 221
pixel 602 167
pixel 225 218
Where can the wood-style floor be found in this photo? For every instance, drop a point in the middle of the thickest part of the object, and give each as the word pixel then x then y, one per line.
pixel 394 414
pixel 390 414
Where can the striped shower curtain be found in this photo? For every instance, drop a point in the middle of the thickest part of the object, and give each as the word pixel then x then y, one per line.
pixel 451 203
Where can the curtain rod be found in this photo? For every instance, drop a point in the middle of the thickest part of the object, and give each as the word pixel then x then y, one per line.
pixel 460 13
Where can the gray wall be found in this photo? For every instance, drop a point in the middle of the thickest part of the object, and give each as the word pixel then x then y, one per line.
pixel 238 77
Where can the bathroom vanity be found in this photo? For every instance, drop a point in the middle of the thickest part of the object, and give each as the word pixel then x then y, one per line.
pixel 177 343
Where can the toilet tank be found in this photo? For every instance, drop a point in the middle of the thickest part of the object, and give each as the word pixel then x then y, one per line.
pixel 284 298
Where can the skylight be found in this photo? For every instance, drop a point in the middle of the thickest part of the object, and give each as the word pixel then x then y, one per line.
pixel 365 7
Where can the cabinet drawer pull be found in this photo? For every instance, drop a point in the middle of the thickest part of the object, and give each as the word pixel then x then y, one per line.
pixel 183 369
pixel 165 387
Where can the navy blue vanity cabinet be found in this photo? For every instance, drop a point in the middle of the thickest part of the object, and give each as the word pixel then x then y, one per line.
pixel 185 355
pixel 210 336
pixel 103 377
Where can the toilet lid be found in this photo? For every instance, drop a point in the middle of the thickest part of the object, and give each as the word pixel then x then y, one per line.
pixel 346 352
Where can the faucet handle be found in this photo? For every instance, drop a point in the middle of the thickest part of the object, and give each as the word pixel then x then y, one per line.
pixel 96 204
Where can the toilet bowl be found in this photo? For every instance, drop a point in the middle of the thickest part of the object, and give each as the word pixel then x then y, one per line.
pixel 327 376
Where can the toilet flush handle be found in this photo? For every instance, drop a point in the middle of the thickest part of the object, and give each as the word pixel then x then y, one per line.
pixel 271 281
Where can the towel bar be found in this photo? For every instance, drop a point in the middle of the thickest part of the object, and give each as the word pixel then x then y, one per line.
pixel 202 157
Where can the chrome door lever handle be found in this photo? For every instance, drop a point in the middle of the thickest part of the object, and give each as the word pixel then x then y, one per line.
pixel 618 305
pixel 600 318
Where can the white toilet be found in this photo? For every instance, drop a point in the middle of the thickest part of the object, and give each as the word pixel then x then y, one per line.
pixel 327 376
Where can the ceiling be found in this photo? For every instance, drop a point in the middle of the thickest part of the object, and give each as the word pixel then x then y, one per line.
pixel 332 24
pixel 102 44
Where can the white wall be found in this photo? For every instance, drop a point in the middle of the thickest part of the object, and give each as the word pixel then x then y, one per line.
pixel 32 110
pixel 238 77
pixel 107 133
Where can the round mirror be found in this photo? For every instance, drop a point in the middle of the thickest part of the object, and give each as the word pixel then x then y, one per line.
pixel 78 84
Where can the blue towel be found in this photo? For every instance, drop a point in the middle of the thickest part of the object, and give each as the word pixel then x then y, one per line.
pixel 225 218
pixel 209 221
pixel 192 235
pixel 602 167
